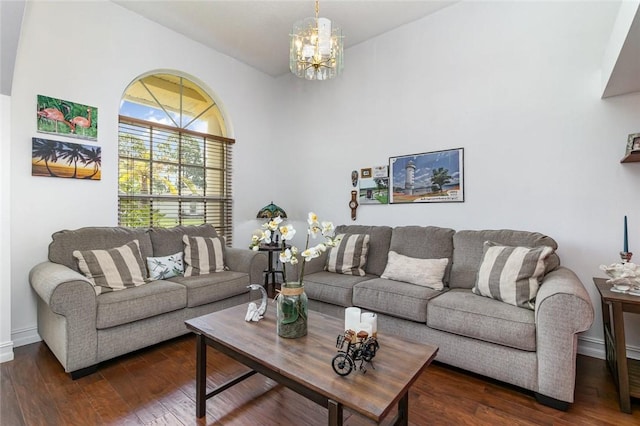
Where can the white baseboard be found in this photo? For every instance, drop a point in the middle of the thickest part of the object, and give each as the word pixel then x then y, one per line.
pixel 25 336
pixel 6 351
pixel 593 347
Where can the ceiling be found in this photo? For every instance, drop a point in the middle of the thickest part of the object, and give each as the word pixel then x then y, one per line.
pixel 257 32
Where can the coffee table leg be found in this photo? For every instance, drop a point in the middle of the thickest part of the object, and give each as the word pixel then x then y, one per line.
pixel 335 413
pixel 403 410
pixel 201 376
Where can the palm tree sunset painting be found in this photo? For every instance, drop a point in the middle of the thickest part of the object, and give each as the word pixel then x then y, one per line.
pixel 65 160
pixel 57 116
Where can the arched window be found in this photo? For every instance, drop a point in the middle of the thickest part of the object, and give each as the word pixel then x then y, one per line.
pixel 174 158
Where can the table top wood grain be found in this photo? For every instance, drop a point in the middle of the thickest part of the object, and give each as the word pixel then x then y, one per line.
pixel 307 360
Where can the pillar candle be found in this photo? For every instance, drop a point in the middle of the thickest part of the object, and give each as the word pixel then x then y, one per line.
pixel 351 318
pixel 370 318
pixel 626 237
pixel 364 326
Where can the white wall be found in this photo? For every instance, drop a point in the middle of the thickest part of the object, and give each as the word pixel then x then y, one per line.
pixel 518 86
pixel 6 345
pixel 88 52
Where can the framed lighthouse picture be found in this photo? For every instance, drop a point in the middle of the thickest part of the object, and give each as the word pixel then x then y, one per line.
pixel 66 118
pixel 430 177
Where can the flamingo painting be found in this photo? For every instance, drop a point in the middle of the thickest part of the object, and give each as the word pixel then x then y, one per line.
pixel 62 117
pixel 55 115
pixel 83 122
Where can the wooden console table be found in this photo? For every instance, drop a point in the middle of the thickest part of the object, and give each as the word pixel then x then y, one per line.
pixel 626 372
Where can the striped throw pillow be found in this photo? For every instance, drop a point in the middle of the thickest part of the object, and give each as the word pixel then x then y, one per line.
pixel 114 269
pixel 350 255
pixel 511 274
pixel 203 255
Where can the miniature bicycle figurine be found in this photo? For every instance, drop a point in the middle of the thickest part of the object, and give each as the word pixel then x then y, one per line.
pixel 363 348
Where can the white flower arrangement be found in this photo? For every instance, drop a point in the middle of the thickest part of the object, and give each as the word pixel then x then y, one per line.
pixel 269 235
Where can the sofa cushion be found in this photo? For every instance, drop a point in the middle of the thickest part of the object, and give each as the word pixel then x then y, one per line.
pixel 511 274
pixel 425 272
pixel 203 255
pixel 424 242
pixel 133 304
pixel 95 238
pixel 379 240
pixel 333 288
pixel 163 267
pixel 167 241
pixel 209 288
pixel 114 269
pixel 349 256
pixel 469 248
pixel 461 312
pixel 395 298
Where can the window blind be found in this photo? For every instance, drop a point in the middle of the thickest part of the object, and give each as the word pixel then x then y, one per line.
pixel 169 176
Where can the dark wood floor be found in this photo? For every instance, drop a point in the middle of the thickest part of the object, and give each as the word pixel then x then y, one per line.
pixel 156 386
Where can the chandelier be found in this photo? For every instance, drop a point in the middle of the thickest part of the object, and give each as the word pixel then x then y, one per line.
pixel 316 49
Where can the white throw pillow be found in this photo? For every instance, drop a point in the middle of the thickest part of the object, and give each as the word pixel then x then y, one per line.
pixel 424 272
pixel 164 267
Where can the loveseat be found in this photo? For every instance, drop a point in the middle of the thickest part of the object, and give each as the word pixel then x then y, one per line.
pixel 84 323
pixel 533 346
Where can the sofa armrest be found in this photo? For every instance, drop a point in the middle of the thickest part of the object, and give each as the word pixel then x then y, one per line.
pixel 67 312
pixel 251 262
pixel 563 309
pixel 61 287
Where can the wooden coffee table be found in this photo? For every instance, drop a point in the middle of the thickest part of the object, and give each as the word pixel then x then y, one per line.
pixel 304 364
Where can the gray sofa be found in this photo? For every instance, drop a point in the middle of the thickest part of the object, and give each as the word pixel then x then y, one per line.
pixel 532 349
pixel 83 329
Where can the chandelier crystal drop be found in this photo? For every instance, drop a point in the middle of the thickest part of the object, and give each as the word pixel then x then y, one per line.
pixel 316 51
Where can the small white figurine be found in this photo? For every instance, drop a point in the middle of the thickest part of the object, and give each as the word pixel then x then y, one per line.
pixel 255 313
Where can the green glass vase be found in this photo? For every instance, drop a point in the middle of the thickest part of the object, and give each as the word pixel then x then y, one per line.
pixel 292 311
